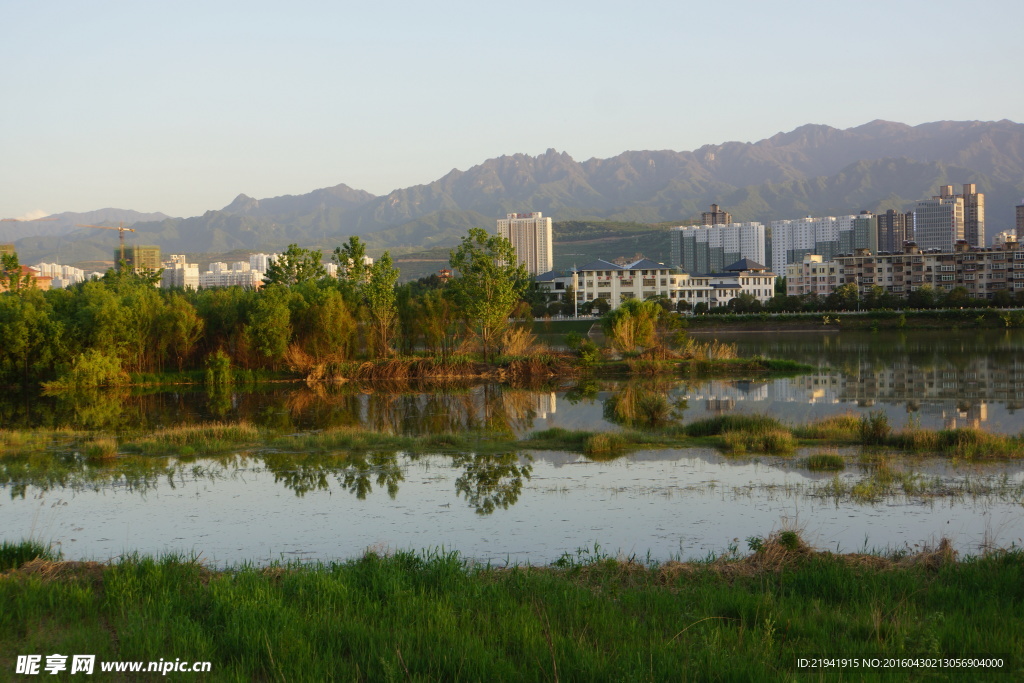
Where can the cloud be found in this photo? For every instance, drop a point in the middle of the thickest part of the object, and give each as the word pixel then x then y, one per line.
pixel 33 215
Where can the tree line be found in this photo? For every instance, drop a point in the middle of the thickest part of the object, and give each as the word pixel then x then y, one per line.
pixel 100 331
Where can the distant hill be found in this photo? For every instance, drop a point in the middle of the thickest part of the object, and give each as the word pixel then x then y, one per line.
pixel 814 169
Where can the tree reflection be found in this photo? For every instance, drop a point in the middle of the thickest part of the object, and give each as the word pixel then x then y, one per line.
pixel 357 473
pixel 383 467
pixel 491 481
pixel 644 404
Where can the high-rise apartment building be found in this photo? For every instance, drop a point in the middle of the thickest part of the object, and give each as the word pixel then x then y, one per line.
pixel 827 236
pixel 700 249
pixel 1020 221
pixel 179 273
pixel 715 216
pixel 530 235
pixel 974 216
pixel 939 221
pixel 139 257
pixel 894 228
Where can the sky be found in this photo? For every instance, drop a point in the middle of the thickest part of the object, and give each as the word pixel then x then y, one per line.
pixel 179 107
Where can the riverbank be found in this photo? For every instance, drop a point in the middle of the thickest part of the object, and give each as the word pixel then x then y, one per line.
pixel 751 615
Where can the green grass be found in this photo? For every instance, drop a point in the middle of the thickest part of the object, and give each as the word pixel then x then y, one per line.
pixel 826 462
pixel 430 616
pixel 14 555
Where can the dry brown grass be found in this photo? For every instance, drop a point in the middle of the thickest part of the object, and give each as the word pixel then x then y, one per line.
pixel 518 341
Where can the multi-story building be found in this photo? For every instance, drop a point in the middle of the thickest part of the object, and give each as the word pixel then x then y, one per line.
pixel 178 272
pixel 939 221
pixel 715 216
pixel 261 262
pixel 813 275
pixel 709 248
pixel 239 273
pixel 139 257
pixel 944 220
pixel 530 235
pixel 36 280
pixel 1001 238
pixel 982 272
pixel 1019 222
pixel 645 279
pixel 61 276
pixel 826 236
pixel 894 228
pixel 974 216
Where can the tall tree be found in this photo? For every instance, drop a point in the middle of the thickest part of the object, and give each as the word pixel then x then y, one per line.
pixel 380 303
pixel 490 283
pixel 351 260
pixel 295 265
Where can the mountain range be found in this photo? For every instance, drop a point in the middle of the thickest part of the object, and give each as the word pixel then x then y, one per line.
pixel 815 169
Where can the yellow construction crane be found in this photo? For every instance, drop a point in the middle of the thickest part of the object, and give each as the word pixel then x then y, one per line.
pixel 120 229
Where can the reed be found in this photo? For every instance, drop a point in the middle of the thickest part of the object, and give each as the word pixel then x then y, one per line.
pixel 605 444
pixel 844 427
pixel 826 462
pixel 100 448
pixel 713 426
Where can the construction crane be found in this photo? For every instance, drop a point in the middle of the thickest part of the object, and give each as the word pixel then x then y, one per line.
pixel 120 229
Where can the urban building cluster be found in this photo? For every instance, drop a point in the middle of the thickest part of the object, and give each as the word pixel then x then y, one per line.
pixel 945 235
pixel 982 272
pixel 531 237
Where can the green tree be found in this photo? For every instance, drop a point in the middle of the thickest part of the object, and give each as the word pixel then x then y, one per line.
pixel 269 329
pixel 30 338
pixel 922 297
pixel 958 297
pixel 380 304
pixel 490 283
pixel 843 298
pixel 439 323
pixel 295 265
pixel 184 328
pixel 632 325
pixel 351 261
pixel 11 277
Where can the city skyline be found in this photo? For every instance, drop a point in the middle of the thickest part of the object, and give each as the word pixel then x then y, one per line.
pixel 181 108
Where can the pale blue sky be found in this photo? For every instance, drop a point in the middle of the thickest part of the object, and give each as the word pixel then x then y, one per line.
pixel 180 106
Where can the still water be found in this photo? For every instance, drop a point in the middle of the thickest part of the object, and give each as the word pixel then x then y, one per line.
pixel 532 507
pixel 520 507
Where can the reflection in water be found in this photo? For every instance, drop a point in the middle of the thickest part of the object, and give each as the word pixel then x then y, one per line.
pixel 644 405
pixel 489 482
pixel 947 379
pixel 684 502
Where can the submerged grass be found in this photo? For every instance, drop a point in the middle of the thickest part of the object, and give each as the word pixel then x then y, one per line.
pixel 432 616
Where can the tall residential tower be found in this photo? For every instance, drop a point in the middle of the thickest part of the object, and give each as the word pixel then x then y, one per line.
pixel 530 234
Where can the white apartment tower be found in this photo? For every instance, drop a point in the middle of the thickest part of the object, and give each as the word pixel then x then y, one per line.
pixel 530 235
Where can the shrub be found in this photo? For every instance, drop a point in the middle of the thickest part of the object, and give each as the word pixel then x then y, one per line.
pixel 91 369
pixel 218 369
pixel 874 428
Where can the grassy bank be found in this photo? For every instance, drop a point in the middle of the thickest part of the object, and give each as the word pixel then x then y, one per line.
pixel 650 425
pixel 434 617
